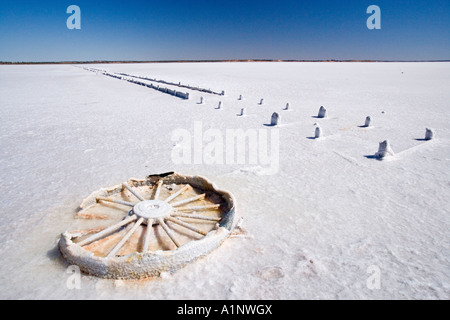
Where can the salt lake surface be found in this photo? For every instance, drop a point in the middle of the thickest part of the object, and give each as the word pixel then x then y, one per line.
pixel 330 222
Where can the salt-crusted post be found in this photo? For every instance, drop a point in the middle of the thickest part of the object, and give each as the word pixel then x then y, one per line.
pixel 318 133
pixel 240 97
pixel 429 134
pixel 384 150
pixel 243 111
pixel 368 122
pixel 261 102
pixel 223 93
pixel 202 101
pixel 287 107
pixel 322 112
pixel 182 95
pixel 275 119
pixel 220 105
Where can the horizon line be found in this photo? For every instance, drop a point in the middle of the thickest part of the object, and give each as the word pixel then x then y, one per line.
pixel 205 61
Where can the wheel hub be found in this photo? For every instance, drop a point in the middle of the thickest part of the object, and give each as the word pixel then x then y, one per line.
pixel 152 209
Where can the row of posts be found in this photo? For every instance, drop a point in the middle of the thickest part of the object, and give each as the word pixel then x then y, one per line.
pixel 384 148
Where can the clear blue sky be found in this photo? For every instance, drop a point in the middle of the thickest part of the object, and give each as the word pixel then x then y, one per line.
pixel 215 29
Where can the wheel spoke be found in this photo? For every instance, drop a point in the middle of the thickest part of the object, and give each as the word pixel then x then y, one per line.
pixel 181 191
pixel 169 233
pixel 158 190
pixel 192 216
pixel 125 238
pixel 125 203
pixel 147 235
pixel 179 216
pixel 213 206
pixel 186 225
pixel 134 192
pixel 182 202
pixel 107 231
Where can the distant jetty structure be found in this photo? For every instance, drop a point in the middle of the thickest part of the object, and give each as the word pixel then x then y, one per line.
pixel 178 84
pixel 175 93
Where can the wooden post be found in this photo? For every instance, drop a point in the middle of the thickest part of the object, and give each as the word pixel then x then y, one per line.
pixel 318 134
pixel 322 112
pixel 275 119
pixel 429 135
pixel 384 150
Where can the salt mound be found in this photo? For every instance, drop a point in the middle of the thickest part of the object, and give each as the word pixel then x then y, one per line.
pixel 384 150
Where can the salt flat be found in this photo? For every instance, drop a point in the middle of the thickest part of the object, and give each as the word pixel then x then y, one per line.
pixel 321 227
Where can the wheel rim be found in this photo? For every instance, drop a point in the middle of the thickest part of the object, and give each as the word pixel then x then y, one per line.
pixel 161 216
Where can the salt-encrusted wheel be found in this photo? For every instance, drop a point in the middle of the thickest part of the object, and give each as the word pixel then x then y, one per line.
pixel 161 223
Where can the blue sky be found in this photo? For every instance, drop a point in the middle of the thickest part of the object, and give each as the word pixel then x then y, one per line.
pixel 215 29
